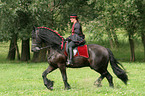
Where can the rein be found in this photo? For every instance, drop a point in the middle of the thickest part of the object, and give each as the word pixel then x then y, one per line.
pixel 50 55
pixel 44 47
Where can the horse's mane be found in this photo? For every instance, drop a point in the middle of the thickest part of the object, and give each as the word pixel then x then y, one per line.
pixel 51 37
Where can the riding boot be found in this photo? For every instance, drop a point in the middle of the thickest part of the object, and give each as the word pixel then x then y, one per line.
pixel 70 56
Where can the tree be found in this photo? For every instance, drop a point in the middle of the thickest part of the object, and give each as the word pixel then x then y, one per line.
pixel 16 14
pixel 127 14
pixel 131 22
pixel 8 29
pixel 106 20
pixel 13 49
pixel 141 9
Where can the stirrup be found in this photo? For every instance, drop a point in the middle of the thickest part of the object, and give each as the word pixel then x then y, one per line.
pixel 69 62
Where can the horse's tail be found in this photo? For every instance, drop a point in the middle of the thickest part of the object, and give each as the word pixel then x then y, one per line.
pixel 120 73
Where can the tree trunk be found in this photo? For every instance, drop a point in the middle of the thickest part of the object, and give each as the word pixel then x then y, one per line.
pixel 110 37
pixel 40 56
pixel 111 42
pixel 132 50
pixel 25 53
pixel 35 56
pixel 143 42
pixel 12 48
pixel 115 38
pixel 17 50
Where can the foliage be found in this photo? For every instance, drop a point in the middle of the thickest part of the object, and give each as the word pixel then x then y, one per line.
pixel 105 22
pixel 20 16
pixel 96 31
pixel 114 14
pixel 6 23
pixel 15 19
pixel 118 14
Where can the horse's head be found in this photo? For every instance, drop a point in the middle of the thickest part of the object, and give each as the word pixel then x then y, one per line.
pixel 46 35
pixel 36 40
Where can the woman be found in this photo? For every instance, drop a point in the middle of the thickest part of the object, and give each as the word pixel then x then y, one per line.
pixel 75 39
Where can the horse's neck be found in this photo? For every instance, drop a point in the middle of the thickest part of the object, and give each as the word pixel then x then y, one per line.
pixel 53 51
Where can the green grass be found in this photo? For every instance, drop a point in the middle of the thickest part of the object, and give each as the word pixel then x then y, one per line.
pixel 25 80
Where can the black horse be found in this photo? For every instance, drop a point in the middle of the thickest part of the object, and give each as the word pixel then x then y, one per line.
pixel 98 58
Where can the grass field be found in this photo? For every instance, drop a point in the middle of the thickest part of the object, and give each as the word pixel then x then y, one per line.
pixel 24 79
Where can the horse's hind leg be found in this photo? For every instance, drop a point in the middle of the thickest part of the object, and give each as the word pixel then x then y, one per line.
pixel 48 83
pixel 109 78
pixel 98 81
pixel 104 73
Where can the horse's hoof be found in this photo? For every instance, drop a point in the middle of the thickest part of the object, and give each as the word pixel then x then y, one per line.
pixel 67 88
pixel 98 84
pixel 111 86
pixel 51 88
pixel 50 85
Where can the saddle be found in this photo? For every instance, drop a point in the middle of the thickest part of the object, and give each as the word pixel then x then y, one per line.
pixel 77 51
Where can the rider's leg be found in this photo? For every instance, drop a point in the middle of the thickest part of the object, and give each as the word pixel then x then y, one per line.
pixel 71 45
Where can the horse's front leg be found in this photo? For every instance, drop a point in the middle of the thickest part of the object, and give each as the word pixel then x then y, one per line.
pixel 62 68
pixel 48 83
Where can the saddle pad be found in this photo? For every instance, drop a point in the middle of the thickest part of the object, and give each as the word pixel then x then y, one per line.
pixel 81 51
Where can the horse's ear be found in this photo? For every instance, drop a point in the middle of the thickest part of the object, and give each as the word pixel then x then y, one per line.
pixel 34 28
